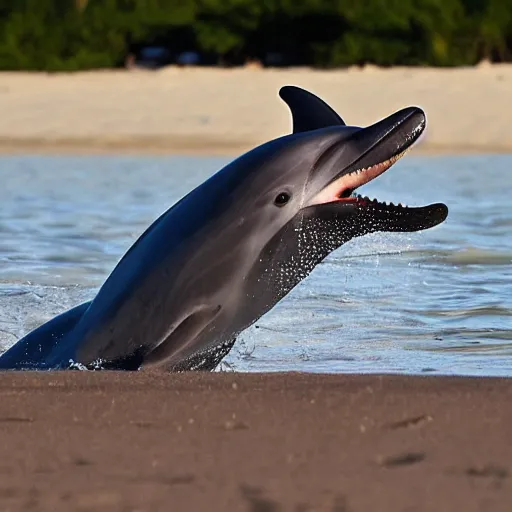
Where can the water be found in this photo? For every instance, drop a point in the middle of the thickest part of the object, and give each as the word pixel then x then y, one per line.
pixel 437 302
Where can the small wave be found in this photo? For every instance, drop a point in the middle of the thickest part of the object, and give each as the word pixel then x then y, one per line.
pixel 504 349
pixel 467 312
pixel 473 256
pixel 466 256
pixel 468 340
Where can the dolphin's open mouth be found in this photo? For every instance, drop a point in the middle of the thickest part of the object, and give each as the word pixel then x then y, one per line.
pixel 389 145
pixel 342 190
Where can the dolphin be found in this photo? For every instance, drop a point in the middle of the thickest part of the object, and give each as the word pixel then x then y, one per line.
pixel 232 248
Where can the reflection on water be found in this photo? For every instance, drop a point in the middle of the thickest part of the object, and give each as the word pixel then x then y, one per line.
pixel 437 302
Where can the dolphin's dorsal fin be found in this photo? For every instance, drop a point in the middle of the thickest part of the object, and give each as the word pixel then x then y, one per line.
pixel 308 111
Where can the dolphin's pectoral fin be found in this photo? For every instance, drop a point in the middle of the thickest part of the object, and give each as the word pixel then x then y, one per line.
pixel 205 361
pixel 32 351
pixel 308 111
pixel 182 335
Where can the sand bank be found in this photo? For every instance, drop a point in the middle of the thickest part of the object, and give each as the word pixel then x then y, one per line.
pixel 267 443
pixel 216 111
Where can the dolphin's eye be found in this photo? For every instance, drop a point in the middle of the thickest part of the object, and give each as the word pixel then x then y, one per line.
pixel 282 199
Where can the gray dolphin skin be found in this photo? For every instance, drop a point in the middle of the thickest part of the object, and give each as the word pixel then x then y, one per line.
pixel 232 248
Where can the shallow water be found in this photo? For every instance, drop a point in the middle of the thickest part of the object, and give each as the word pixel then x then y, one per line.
pixel 439 301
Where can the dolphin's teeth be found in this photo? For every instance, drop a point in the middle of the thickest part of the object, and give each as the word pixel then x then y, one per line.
pixel 349 182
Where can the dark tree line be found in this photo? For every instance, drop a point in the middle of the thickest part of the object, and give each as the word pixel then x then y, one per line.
pixel 83 34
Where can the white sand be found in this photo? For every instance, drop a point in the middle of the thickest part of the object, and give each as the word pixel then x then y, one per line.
pixel 228 111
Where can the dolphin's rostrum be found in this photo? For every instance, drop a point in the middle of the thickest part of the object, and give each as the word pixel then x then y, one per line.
pixel 232 248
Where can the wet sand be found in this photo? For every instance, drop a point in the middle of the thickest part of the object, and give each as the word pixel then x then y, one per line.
pixel 259 443
pixel 222 111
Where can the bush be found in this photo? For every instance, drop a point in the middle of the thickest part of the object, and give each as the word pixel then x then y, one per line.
pixel 58 35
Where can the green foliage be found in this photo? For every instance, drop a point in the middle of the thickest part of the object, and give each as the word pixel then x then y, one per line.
pixel 58 35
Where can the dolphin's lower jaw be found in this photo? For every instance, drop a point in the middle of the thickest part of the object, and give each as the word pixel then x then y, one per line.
pixel 380 216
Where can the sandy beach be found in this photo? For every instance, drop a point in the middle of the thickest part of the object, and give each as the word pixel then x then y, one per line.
pixel 223 111
pixel 142 441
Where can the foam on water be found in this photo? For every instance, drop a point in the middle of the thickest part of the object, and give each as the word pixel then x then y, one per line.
pixel 436 302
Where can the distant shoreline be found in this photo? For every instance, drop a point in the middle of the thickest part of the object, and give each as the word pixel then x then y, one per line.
pixel 184 147
pixel 215 111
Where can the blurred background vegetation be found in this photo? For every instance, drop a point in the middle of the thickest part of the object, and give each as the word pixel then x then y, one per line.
pixel 66 35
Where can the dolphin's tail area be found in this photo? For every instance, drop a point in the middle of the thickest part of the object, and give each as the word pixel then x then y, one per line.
pixel 32 351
